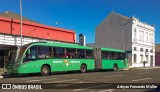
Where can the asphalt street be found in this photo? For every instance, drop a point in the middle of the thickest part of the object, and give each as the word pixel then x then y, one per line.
pixel 104 81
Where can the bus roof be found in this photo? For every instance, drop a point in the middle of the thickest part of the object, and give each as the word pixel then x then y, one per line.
pixel 67 45
pixel 111 49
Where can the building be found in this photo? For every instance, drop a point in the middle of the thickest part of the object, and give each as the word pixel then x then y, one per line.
pixel 129 34
pixel 32 31
pixel 157 55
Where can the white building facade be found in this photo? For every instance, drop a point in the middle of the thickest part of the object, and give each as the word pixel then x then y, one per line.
pixel 129 34
pixel 143 44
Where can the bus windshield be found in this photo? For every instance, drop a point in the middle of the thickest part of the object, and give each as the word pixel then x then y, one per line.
pixel 16 55
pixel 12 56
pixel 19 53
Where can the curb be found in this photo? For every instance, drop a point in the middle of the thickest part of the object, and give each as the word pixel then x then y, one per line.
pixel 136 68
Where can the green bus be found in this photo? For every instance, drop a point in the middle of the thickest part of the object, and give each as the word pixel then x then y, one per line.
pixel 45 58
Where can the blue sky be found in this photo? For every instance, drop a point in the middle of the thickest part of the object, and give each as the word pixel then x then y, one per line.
pixel 83 16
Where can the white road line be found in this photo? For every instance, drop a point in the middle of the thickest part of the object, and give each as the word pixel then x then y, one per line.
pixel 112 76
pixel 108 90
pixel 1 76
pixel 91 87
pixel 142 79
pixel 61 81
pixel 143 73
pixel 80 82
pixel 32 80
pixel 12 78
pixel 50 79
pixel 90 73
pixel 29 78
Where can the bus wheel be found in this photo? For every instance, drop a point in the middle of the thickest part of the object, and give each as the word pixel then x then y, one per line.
pixel 83 69
pixel 45 70
pixel 115 67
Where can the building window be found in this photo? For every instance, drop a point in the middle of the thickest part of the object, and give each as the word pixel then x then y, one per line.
pixel 150 38
pixel 146 50
pixel 134 33
pixel 146 37
pixel 142 35
pixel 147 58
pixel 135 49
pixel 151 50
pixel 135 58
pixel 141 49
pixel 141 58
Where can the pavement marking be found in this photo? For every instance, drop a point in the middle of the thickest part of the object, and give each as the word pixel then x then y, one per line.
pixel 90 87
pixel 112 76
pixel 32 80
pixel 12 78
pixel 143 73
pixel 109 90
pixel 61 81
pixel 90 73
pixel 91 91
pixel 29 78
pixel 49 79
pixel 40 80
pixel 80 82
pixel 142 79
pixel 1 76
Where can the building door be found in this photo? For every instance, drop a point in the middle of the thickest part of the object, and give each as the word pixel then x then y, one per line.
pixel 2 53
pixel 151 62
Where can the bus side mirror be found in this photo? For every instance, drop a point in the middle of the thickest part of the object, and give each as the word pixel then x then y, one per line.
pixel 29 52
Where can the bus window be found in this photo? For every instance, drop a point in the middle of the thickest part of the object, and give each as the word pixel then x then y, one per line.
pixel 123 56
pixel 105 55
pixel 31 54
pixel 44 52
pixel 89 54
pixel 112 55
pixel 70 52
pixel 80 53
pixel 58 52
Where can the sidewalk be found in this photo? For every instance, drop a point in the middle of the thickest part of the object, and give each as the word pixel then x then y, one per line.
pixel 2 70
pixel 136 68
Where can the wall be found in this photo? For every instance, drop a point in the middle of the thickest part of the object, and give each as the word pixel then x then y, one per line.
pixel 110 31
pixel 30 29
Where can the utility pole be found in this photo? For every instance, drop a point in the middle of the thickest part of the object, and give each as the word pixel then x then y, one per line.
pixel 122 36
pixel 21 20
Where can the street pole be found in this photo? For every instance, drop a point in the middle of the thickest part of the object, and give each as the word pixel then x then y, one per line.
pixel 122 37
pixel 21 20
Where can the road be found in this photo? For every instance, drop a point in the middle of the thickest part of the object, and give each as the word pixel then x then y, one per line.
pixel 91 81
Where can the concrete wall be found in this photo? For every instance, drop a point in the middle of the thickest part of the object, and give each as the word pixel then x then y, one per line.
pixel 157 58
pixel 110 31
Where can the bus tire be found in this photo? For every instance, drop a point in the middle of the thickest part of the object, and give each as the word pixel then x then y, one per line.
pixel 83 68
pixel 45 70
pixel 115 67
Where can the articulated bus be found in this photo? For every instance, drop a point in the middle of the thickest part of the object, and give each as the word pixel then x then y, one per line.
pixel 45 58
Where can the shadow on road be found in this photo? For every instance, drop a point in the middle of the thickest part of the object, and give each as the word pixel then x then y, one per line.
pixel 55 73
